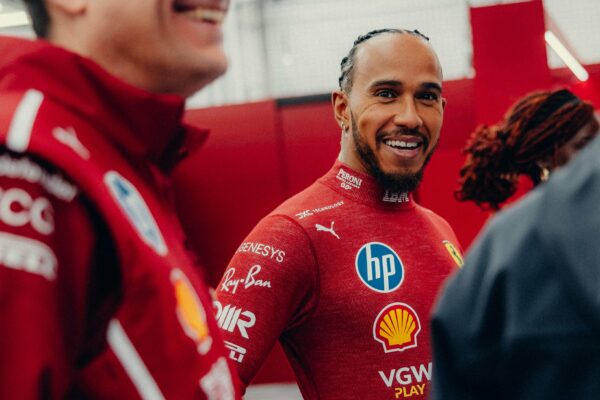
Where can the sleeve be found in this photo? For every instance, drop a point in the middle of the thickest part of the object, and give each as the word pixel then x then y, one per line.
pixel 45 240
pixel 268 288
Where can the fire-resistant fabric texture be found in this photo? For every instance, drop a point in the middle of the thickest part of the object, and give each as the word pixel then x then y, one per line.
pixel 344 275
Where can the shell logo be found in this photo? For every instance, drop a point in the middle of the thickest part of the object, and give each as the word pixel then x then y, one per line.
pixel 190 312
pixel 454 253
pixel 396 327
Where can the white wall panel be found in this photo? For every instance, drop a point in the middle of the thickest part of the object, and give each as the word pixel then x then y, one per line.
pixel 307 39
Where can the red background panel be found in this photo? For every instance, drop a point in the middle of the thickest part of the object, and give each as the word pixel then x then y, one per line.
pixel 311 140
pixel 509 55
pixel 236 178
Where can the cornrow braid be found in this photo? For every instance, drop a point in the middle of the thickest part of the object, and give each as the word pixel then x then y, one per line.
pixel 533 130
pixel 347 64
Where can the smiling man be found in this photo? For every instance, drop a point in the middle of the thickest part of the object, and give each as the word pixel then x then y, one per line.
pixel 345 273
pixel 98 296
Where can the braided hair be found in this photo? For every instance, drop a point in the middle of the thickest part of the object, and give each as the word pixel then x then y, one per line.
pixel 347 64
pixel 532 131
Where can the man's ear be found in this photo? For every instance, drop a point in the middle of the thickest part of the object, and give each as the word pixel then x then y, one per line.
pixel 339 101
pixel 71 7
pixel 444 102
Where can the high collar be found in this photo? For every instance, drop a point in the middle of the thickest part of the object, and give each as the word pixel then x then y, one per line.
pixel 364 188
pixel 142 124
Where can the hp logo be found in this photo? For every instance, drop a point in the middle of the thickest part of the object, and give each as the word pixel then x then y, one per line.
pixel 379 267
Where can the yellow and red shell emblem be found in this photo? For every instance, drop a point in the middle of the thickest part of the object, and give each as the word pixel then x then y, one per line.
pixel 190 312
pixel 396 327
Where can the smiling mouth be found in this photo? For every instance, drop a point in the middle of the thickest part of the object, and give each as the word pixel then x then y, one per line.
pixel 403 145
pixel 209 15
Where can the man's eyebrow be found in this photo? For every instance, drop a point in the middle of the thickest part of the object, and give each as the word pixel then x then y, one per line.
pixel 432 86
pixel 386 82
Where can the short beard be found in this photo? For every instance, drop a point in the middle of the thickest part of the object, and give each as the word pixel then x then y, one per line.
pixel 398 183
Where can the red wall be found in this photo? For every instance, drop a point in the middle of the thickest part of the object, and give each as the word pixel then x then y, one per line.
pixel 258 154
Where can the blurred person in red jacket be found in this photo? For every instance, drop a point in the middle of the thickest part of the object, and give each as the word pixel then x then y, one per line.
pixel 538 134
pixel 344 274
pixel 99 297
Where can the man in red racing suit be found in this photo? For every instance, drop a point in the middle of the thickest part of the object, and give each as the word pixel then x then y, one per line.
pixel 99 297
pixel 345 273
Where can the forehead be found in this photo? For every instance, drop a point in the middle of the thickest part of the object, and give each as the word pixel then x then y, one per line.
pixel 397 57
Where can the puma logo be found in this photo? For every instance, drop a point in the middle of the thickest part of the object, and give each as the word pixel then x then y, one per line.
pixel 69 138
pixel 325 229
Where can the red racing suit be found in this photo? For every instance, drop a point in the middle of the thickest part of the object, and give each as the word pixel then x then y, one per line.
pixel 344 275
pixel 99 297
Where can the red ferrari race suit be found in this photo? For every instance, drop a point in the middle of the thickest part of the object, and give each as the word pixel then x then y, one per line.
pixel 344 275
pixel 99 297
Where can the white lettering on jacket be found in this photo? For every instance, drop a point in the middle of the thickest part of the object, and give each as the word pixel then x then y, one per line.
pixel 248 281
pixel 24 254
pixel 18 208
pixel 405 375
pixel 348 181
pixel 23 168
pixel 262 249
pixel 229 318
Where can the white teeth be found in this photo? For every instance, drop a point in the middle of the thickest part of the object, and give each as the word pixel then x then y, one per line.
pixel 205 14
pixel 402 144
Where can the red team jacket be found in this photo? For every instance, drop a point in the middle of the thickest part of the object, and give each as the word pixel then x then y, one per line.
pixel 99 297
pixel 344 275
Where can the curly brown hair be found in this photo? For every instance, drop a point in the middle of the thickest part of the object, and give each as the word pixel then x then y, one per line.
pixel 532 131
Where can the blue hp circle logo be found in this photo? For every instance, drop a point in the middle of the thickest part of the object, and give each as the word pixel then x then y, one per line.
pixel 379 267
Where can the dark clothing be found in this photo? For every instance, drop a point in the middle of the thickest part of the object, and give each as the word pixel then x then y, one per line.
pixel 521 320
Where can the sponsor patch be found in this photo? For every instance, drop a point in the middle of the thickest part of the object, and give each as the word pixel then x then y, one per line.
pixel 190 312
pixel 311 212
pixel 348 181
pixel 69 138
pixel 231 284
pixel 454 253
pixel 262 249
pixel 396 327
pixel 230 318
pixel 379 267
pixel 217 383
pixel 136 210
pixel 236 353
pixel 321 228
pixel 24 254
pixel 408 381
pixel 23 168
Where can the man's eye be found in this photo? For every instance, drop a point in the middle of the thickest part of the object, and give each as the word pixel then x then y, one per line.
pixel 429 96
pixel 390 94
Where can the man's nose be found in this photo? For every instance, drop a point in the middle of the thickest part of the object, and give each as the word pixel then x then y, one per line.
pixel 407 114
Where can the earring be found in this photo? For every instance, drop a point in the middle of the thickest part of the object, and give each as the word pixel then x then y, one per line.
pixel 343 127
pixel 545 174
